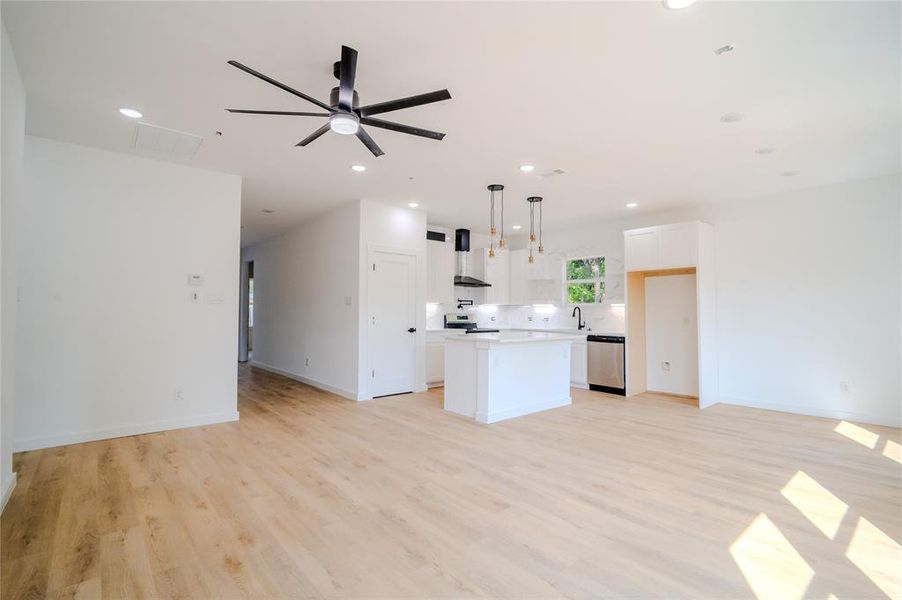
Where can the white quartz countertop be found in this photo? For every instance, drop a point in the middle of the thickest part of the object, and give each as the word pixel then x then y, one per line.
pixel 516 337
pixel 575 332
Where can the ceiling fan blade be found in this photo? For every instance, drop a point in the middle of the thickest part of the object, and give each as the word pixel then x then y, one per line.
pixel 435 135
pixel 276 112
pixel 272 81
pixel 313 135
pixel 368 142
pixel 384 107
pixel 346 80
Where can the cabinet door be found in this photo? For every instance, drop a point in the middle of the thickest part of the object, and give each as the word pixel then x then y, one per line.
pixel 497 273
pixel 435 362
pixel 579 376
pixel 518 286
pixel 642 249
pixel 431 270
pixel 677 245
pixel 439 272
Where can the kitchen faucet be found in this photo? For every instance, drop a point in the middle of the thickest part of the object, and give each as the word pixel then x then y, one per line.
pixel 582 324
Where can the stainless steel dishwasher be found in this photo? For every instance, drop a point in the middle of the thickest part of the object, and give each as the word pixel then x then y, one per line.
pixel 607 365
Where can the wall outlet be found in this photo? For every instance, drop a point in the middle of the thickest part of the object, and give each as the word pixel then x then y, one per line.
pixel 347 301
pixel 178 395
pixel 195 296
pixel 844 387
pixel 307 361
pixel 665 365
pixel 529 318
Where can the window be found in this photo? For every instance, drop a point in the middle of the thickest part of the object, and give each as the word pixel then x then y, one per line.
pixel 585 280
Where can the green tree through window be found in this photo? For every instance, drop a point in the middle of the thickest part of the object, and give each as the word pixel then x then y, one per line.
pixel 585 280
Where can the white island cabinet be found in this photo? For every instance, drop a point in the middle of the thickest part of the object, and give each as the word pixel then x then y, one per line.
pixel 495 376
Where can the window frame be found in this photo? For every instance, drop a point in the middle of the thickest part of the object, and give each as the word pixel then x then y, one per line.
pixel 598 282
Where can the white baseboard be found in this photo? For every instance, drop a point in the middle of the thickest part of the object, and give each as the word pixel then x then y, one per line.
pixel 309 381
pixel 578 385
pixel 811 411
pixel 8 488
pixel 519 411
pixel 122 431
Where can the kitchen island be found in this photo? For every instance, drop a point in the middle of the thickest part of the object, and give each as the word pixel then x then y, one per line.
pixel 496 376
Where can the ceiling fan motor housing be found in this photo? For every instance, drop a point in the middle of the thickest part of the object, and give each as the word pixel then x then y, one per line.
pixel 333 99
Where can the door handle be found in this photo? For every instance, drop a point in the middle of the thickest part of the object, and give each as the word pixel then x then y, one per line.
pixel 412 330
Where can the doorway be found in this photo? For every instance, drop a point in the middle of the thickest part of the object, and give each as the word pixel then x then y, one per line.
pixel 392 323
pixel 246 313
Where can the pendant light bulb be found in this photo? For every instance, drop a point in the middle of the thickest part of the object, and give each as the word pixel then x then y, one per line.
pixel 491 253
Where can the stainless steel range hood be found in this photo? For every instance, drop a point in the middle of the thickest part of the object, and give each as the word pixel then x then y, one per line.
pixel 462 247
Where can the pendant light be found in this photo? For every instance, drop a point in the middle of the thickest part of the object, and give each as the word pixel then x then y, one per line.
pixel 495 187
pixel 533 236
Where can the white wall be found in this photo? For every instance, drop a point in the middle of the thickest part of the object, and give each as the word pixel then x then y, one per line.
pixel 107 330
pixel 303 280
pixel 671 334
pixel 808 295
pixel 392 228
pixel 12 132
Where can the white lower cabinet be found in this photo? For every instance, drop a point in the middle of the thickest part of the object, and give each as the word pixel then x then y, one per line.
pixel 435 363
pixel 579 366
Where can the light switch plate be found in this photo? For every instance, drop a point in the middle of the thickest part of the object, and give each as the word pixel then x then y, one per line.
pixel 195 279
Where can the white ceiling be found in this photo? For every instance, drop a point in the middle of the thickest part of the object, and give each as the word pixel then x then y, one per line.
pixel 626 97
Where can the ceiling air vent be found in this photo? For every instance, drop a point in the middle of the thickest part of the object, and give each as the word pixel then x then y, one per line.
pixel 166 143
pixel 552 173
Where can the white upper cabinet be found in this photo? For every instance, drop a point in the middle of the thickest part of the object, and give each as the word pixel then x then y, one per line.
pixel 535 283
pixel 661 247
pixel 519 293
pixel 496 271
pixel 439 272
pixel 641 252
pixel 678 245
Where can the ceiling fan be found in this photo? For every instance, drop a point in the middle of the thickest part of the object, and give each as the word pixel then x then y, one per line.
pixel 345 116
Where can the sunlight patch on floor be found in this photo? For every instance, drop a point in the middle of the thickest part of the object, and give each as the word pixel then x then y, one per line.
pixel 893 451
pixel 878 556
pixel 858 434
pixel 813 500
pixel 769 563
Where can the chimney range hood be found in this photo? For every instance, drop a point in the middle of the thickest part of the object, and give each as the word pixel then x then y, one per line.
pixel 462 247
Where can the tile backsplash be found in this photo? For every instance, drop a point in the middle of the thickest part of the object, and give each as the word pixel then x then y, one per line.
pixel 602 318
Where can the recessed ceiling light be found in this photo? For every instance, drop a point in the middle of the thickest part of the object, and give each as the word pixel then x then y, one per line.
pixel 765 150
pixel 131 113
pixel 268 211
pixel 527 168
pixel 632 204
pixel 517 227
pixel 358 168
pixel 677 4
pixel 413 204
pixel 789 173
pixel 731 117
pixel 723 49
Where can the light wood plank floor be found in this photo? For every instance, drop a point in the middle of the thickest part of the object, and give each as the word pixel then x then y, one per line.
pixel 310 495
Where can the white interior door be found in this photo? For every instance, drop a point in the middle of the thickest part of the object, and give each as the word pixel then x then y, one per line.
pixel 392 338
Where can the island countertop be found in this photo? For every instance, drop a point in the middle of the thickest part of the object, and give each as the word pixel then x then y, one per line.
pixel 515 337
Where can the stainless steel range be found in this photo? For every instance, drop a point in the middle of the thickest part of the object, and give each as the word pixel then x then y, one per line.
pixel 465 321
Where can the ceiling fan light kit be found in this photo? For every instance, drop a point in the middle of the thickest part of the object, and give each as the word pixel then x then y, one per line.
pixel 345 115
